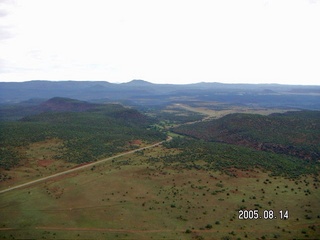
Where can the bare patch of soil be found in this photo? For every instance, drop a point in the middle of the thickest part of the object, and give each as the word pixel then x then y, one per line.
pixel 136 142
pixel 45 163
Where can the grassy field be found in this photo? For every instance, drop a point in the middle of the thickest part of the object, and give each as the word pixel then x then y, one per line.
pixel 216 110
pixel 40 162
pixel 132 199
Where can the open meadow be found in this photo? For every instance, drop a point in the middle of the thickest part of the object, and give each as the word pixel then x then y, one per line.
pixel 214 110
pixel 132 197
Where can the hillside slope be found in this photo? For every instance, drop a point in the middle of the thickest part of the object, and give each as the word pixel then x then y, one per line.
pixel 293 133
pixel 87 131
pixel 59 104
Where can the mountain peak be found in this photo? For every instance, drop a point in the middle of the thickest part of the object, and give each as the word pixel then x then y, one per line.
pixel 139 82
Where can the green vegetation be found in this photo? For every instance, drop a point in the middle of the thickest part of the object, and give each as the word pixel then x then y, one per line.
pixel 132 199
pixel 221 156
pixel 187 188
pixel 293 133
pixel 9 157
pixel 86 136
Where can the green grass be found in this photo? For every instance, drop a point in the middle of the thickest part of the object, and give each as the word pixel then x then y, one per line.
pixel 135 199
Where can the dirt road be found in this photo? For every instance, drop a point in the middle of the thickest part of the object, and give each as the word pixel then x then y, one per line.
pixel 82 167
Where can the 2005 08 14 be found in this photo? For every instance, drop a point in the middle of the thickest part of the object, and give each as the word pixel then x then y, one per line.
pixel 266 214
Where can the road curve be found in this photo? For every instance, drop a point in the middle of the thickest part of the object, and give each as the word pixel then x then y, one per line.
pixel 83 167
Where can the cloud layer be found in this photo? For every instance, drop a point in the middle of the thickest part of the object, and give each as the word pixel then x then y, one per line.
pixel 161 41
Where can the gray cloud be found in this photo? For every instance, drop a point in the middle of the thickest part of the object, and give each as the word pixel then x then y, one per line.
pixel 5 33
pixel 7 1
pixel 3 13
pixel 5 30
pixel 4 68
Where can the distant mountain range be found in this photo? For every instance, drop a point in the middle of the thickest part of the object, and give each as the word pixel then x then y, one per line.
pixel 143 93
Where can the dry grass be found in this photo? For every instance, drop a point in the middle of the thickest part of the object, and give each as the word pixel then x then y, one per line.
pixel 208 109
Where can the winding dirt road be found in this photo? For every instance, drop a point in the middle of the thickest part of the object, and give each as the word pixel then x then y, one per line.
pixel 83 167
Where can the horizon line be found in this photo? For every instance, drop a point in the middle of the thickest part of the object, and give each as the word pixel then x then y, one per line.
pixel 145 81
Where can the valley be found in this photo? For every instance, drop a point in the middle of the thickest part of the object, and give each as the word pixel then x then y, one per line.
pixel 183 166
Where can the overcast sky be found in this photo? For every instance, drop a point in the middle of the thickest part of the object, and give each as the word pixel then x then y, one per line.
pixel 161 41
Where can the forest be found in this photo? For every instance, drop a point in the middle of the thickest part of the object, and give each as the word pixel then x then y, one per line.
pixel 295 133
pixel 285 144
pixel 87 136
pixel 199 154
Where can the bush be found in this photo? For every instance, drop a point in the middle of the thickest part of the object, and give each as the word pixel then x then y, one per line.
pixel 208 226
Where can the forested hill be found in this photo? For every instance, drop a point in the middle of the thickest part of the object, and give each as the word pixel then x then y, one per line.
pixel 292 133
pixel 50 108
pixel 100 130
pixel 59 104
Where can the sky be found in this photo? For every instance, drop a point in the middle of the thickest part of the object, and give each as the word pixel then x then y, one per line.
pixel 161 41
